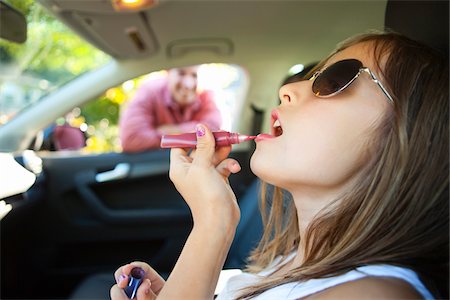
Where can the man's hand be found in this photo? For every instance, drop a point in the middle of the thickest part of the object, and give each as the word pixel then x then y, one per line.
pixel 169 129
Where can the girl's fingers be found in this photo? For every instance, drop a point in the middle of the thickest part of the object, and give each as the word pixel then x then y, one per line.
pixel 178 155
pixel 178 160
pixel 227 167
pixel 220 154
pixel 117 293
pixel 145 291
pixel 122 281
pixel 122 275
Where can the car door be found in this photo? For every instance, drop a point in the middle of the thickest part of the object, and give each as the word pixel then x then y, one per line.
pixel 91 213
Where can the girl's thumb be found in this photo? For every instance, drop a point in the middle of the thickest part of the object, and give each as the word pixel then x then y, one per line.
pixel 205 145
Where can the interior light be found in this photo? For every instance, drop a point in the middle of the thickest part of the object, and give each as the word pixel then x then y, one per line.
pixel 133 5
pixel 296 69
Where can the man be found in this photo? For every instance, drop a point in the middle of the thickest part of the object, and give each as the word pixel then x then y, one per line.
pixel 166 106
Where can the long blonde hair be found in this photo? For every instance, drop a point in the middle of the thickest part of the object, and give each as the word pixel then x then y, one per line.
pixel 397 213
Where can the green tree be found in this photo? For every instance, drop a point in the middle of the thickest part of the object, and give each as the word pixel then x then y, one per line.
pixel 52 51
pixel 51 56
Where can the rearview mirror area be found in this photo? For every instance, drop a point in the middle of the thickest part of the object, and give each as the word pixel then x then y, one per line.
pixel 13 25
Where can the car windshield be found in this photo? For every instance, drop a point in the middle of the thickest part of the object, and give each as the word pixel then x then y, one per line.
pixel 51 56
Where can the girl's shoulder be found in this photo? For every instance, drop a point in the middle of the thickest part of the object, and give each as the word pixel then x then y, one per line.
pixel 370 287
pixel 367 282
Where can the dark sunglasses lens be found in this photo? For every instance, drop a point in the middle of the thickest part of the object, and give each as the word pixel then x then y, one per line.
pixel 336 77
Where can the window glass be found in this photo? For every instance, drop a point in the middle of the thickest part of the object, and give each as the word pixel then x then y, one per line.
pixel 99 118
pixel 51 56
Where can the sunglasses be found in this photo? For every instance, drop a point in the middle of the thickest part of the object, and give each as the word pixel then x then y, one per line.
pixel 339 76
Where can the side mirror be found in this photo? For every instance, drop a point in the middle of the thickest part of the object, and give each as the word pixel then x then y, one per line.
pixel 13 24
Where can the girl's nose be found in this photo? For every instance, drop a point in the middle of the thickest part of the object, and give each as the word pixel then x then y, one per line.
pixel 294 92
pixel 286 94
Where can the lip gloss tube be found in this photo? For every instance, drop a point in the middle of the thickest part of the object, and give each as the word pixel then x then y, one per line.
pixel 136 277
pixel 189 140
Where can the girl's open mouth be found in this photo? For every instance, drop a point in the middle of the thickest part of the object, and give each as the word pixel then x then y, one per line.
pixel 276 130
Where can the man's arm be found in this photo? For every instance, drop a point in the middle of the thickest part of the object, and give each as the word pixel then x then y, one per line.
pixel 137 132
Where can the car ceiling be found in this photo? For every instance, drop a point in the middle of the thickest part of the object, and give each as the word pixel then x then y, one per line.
pixel 261 36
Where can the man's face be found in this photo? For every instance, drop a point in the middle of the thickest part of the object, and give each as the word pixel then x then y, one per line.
pixel 183 84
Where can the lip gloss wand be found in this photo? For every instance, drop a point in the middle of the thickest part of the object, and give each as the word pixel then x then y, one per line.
pixel 189 140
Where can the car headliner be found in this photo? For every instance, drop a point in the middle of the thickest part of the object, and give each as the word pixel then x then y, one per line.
pixel 264 37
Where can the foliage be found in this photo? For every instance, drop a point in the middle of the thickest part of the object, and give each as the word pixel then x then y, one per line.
pixel 102 108
pixel 51 56
pixel 52 51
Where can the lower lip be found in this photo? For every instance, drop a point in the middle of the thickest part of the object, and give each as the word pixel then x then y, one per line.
pixel 264 136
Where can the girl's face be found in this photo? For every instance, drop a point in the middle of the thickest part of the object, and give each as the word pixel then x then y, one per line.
pixel 324 141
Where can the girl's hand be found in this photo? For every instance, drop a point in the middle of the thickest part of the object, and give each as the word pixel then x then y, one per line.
pixel 201 177
pixel 149 288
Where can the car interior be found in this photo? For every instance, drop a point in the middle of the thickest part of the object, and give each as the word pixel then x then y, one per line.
pixel 87 214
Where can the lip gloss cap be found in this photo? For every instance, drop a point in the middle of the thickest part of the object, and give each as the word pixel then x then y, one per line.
pixel 136 276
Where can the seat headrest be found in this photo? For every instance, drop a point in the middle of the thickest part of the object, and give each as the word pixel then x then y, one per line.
pixel 424 21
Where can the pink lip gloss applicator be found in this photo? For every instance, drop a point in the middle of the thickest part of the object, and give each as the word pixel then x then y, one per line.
pixel 189 140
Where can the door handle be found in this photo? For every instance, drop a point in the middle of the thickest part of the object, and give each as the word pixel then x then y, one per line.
pixel 120 171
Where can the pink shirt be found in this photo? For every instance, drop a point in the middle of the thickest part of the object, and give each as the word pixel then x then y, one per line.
pixel 153 106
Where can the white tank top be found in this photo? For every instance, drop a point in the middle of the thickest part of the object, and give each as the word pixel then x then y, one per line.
pixel 296 290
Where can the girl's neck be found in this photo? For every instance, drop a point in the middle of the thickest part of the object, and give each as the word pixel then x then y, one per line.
pixel 309 204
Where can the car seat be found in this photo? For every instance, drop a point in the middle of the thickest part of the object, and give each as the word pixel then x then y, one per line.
pixel 424 21
pixel 249 230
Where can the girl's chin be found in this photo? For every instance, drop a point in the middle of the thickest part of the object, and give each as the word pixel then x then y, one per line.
pixel 269 170
pixel 256 164
pixel 261 167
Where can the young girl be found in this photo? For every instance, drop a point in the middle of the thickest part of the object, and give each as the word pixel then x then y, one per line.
pixel 363 149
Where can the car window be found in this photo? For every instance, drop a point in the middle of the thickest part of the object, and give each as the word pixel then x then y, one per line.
pixel 52 56
pixel 99 118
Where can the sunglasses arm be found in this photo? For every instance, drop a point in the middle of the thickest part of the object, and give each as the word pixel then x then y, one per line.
pixel 375 79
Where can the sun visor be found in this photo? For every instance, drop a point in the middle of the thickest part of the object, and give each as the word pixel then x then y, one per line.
pixel 120 34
